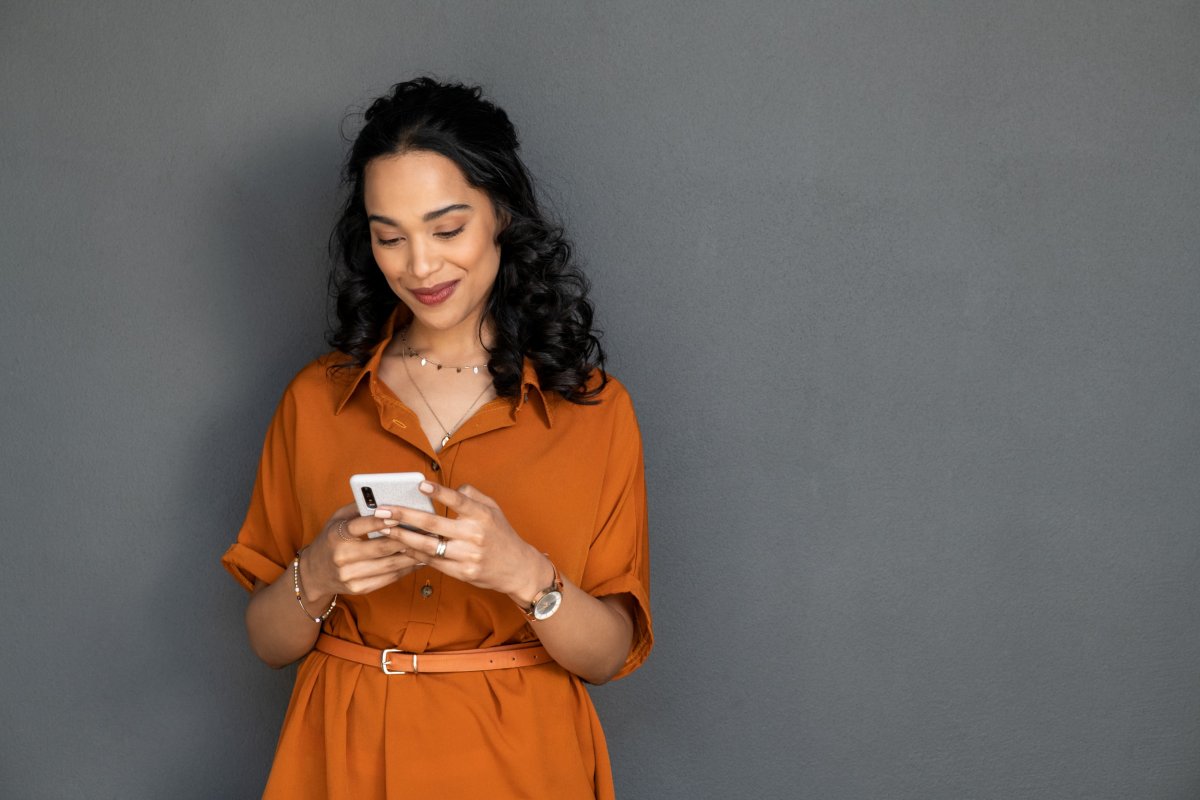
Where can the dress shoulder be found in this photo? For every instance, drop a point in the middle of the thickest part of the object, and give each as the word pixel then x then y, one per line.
pixel 319 383
pixel 611 401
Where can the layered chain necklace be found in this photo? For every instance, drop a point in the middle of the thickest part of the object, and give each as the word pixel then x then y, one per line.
pixel 447 431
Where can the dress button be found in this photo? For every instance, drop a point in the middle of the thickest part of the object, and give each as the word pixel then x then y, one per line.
pixel 426 590
pixel 433 465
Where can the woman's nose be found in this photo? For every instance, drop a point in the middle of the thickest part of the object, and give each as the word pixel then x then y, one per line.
pixel 423 259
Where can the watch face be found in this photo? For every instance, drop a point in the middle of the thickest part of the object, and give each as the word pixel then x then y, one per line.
pixel 547 605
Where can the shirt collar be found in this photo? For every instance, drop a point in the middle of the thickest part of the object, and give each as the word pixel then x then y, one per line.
pixel 530 385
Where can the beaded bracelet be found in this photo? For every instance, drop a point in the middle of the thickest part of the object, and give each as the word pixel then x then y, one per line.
pixel 300 600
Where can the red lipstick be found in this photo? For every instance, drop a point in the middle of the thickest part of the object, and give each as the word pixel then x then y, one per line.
pixel 433 295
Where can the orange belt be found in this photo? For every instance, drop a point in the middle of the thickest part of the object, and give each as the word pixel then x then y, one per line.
pixel 394 661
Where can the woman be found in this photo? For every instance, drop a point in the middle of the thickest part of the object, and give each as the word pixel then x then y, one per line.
pixel 449 663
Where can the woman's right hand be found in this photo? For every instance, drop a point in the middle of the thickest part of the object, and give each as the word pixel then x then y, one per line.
pixel 343 560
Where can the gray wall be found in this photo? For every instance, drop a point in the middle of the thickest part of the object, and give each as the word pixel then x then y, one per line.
pixel 906 294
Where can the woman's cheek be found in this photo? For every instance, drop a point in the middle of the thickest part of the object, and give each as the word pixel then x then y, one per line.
pixel 386 263
pixel 462 252
pixel 478 250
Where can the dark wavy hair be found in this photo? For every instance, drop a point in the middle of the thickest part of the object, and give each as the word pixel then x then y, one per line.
pixel 539 301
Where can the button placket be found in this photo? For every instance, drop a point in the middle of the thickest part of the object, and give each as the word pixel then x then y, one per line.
pixel 423 611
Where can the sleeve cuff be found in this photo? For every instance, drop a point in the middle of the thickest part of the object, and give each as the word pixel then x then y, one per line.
pixel 643 632
pixel 246 565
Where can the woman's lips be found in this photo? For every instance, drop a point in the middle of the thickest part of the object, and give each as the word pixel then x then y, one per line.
pixel 435 294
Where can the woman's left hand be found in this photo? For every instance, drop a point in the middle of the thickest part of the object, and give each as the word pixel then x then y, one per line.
pixel 481 548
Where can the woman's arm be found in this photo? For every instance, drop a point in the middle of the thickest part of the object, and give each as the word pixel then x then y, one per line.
pixel 280 632
pixel 588 636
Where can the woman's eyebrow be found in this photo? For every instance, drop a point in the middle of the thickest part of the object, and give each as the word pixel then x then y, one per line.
pixel 432 215
pixel 428 217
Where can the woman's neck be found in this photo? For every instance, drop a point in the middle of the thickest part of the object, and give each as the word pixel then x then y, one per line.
pixel 460 345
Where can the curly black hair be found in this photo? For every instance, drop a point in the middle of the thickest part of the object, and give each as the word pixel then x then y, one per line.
pixel 538 304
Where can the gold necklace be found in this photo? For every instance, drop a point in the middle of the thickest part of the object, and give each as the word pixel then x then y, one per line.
pixel 425 400
pixel 411 353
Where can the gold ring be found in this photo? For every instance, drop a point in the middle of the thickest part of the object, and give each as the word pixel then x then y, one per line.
pixel 341 531
pixel 441 548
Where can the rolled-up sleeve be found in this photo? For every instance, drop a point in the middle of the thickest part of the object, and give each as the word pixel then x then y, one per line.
pixel 267 540
pixel 618 560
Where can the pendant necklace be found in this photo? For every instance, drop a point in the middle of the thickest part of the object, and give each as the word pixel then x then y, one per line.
pixel 470 408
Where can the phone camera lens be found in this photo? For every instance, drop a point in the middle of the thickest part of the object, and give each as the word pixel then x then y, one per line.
pixel 369 496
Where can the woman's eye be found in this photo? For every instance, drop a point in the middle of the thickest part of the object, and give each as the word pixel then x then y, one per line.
pixel 450 234
pixel 388 242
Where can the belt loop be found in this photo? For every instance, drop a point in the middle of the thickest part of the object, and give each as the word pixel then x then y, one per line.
pixel 384 657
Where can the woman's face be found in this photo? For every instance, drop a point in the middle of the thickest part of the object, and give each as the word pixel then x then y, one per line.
pixel 433 236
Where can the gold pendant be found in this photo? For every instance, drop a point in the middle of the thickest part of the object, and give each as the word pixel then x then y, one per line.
pixel 445 439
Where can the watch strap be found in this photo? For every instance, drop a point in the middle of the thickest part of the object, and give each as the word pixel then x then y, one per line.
pixel 556 586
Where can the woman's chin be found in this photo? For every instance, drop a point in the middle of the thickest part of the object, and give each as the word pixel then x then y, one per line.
pixel 441 319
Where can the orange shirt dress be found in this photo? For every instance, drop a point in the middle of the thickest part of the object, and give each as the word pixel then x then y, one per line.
pixel 568 477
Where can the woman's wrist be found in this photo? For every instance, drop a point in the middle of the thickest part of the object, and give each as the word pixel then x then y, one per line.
pixel 539 575
pixel 313 593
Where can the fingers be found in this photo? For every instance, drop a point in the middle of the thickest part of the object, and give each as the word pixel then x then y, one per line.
pixel 459 562
pixel 457 558
pixel 367 550
pixel 461 501
pixel 363 566
pixel 422 545
pixel 401 563
pixel 427 548
pixel 470 492
pixel 423 521
pixel 348 511
pixel 340 531
pixel 466 502
pixel 360 528
pixel 379 573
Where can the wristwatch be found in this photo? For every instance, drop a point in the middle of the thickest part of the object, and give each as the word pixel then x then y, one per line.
pixel 547 601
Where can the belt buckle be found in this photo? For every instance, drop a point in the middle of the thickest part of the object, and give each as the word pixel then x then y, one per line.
pixel 383 662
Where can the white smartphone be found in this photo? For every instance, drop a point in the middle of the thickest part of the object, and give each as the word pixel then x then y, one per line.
pixel 375 489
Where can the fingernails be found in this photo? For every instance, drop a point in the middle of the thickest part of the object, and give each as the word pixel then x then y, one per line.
pixel 383 513
pixel 426 487
pixel 391 523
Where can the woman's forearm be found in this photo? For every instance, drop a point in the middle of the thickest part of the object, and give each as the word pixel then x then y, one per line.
pixel 587 635
pixel 342 560
pixel 279 630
